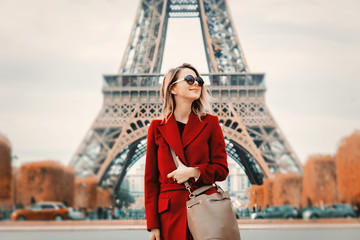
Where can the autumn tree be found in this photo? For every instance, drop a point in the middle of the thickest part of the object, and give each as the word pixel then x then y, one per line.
pixel 287 189
pixel 257 196
pixel 319 181
pixel 104 197
pixel 86 193
pixel 44 181
pixel 279 190
pixel 69 183
pixel 268 187
pixel 348 169
pixel 5 172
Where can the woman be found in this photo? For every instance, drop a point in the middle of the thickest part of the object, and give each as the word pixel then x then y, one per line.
pixel 197 140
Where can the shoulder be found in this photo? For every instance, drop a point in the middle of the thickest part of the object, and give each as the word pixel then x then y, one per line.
pixel 154 124
pixel 210 118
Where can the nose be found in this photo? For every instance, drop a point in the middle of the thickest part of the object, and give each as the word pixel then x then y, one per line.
pixel 196 82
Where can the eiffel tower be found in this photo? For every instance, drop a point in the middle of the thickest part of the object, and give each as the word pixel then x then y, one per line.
pixel 117 138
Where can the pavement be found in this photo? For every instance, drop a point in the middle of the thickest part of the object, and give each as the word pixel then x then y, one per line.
pixel 244 224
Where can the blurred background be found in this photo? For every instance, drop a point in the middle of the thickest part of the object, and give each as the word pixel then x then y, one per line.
pixel 53 56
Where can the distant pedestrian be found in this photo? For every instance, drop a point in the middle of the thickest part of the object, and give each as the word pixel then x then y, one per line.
pixel 255 208
pixel 117 213
pixel 100 213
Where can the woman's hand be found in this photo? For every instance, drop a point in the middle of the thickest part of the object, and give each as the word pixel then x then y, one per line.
pixel 155 234
pixel 183 173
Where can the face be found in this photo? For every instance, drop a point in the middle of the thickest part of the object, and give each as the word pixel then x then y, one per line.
pixel 185 91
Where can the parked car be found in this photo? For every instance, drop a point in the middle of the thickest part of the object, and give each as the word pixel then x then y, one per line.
pixel 283 211
pixel 76 215
pixel 335 210
pixel 306 210
pixel 42 211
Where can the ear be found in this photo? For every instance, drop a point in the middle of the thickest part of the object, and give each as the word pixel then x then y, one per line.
pixel 173 90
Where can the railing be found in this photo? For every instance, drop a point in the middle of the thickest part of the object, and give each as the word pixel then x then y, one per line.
pixel 155 80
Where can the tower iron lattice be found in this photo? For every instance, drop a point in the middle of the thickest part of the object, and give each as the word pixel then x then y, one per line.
pixel 117 137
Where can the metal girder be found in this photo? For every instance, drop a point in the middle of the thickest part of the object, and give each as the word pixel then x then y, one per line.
pixel 245 160
pixel 183 9
pixel 145 48
pixel 146 44
pixel 116 139
pixel 118 168
pixel 132 101
pixel 224 53
pixel 94 149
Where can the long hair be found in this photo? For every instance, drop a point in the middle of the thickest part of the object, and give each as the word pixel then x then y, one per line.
pixel 200 106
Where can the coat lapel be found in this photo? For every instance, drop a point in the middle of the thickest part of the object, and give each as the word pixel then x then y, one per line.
pixel 170 131
pixel 192 129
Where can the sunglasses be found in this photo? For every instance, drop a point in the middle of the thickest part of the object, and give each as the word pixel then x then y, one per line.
pixel 190 80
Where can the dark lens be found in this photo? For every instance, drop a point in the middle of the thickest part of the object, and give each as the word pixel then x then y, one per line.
pixel 189 79
pixel 200 81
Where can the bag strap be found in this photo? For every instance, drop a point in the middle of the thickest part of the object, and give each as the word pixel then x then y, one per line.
pixel 202 189
pixel 187 185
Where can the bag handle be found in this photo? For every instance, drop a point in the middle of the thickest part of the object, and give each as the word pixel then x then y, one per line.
pixel 202 189
pixel 187 185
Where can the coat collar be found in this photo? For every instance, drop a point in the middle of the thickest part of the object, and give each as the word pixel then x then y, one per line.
pixel 170 132
pixel 192 129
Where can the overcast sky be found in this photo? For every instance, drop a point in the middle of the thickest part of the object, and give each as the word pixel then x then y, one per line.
pixel 54 53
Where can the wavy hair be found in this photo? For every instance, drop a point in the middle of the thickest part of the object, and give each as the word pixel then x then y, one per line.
pixel 200 106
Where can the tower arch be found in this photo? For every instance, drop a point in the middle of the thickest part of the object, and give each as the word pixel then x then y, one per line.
pixel 132 100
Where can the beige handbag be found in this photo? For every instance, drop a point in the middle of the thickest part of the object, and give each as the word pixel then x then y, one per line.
pixel 210 217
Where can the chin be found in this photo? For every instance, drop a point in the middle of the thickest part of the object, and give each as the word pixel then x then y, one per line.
pixel 194 96
pixel 194 99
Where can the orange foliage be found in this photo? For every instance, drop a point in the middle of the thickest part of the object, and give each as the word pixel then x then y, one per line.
pixel 268 187
pixel 282 189
pixel 257 196
pixel 44 181
pixel 90 196
pixel 104 197
pixel 348 168
pixel 69 182
pixel 325 180
pixel 86 193
pixel 5 168
pixel 319 181
pixel 287 189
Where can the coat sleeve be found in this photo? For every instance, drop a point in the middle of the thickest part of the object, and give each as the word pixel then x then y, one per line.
pixel 152 184
pixel 217 167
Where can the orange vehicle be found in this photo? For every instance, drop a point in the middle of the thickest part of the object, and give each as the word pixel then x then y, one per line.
pixel 42 211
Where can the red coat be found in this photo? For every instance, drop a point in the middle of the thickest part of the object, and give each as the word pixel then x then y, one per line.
pixel 202 145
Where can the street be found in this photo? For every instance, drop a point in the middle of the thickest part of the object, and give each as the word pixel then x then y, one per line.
pixel 348 234
pixel 250 230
